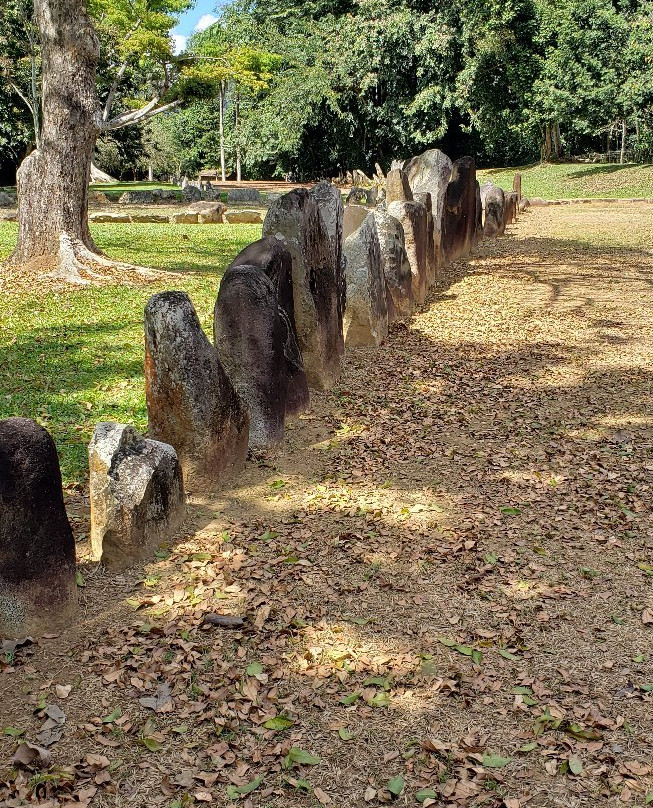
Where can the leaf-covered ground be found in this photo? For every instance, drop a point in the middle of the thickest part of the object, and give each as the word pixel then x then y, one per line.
pixel 445 575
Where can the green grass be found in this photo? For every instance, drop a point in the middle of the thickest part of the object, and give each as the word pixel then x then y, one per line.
pixel 70 359
pixel 576 180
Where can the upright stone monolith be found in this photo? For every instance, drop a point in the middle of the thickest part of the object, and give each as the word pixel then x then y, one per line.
pixel 459 220
pixel 354 217
pixel 478 219
pixel 414 221
pixel 516 187
pixel 191 403
pixel 397 187
pixel 329 201
pixel 366 315
pixel 493 199
pixel 430 173
pixel 510 209
pixel 395 263
pixel 296 218
pixel 136 492
pixel 272 256
pixel 432 240
pixel 38 593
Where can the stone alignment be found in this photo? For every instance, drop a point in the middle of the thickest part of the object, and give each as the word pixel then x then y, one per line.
pixel 516 186
pixel 366 315
pixel 510 209
pixel 414 221
pixel 38 593
pixel 494 204
pixel 353 218
pixel 272 256
pixel 137 494
pixel 432 240
pixel 395 263
pixel 459 219
pixel 191 403
pixel 296 218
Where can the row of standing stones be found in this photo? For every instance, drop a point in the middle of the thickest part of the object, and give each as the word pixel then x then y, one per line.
pixel 322 277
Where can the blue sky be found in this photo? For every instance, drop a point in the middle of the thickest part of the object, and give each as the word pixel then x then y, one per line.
pixel 197 19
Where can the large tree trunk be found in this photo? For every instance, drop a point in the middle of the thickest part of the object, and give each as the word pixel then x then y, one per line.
pixel 53 180
pixel 222 155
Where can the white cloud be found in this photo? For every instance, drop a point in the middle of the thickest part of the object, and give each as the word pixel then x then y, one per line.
pixel 205 21
pixel 178 43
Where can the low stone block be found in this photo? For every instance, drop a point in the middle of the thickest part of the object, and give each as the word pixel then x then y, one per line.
pixel 185 217
pixel 366 314
pixel 98 198
pixel 149 218
pixel 191 404
pixel 395 263
pixel 272 256
pixel 8 215
pixel 137 495
pixel 244 216
pixel 243 195
pixel 112 218
pixel 414 221
pixel 137 198
pixel 191 193
pixel 38 593
pixel 536 202
pixel 6 200
pixel 208 212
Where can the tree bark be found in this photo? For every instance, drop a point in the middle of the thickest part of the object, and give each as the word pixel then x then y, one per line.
pixel 236 132
pixel 53 180
pixel 222 157
pixel 624 133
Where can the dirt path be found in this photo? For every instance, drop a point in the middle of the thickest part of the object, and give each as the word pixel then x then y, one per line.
pixel 446 574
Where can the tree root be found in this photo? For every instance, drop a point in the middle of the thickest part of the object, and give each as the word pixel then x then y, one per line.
pixel 80 265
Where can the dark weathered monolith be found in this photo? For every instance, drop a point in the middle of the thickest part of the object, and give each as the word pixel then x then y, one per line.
pixel 296 218
pixel 459 218
pixel 38 593
pixel 191 403
pixel 414 221
pixel 272 256
pixel 493 199
pixel 395 263
pixel 329 201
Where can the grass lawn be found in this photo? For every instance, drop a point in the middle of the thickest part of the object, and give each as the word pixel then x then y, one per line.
pixel 71 359
pixel 576 180
pixel 114 190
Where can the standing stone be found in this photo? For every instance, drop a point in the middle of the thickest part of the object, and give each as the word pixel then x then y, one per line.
pixel 38 593
pixel 249 336
pixel 430 173
pixel 208 212
pixel 191 193
pixel 329 201
pixel 353 218
pixel 478 222
pixel 459 219
pixel 395 263
pixel 414 221
pixel 357 196
pixel 516 187
pixel 296 218
pixel 510 209
pixel 243 195
pixel 191 403
pixel 366 315
pixel 273 257
pixel 493 200
pixel 137 495
pixel 432 242
pixel 397 187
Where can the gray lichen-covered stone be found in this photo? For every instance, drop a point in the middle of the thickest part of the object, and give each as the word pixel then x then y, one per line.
pixel 38 593
pixel 243 195
pixel 6 201
pixel 249 334
pixel 329 201
pixel 478 220
pixel 273 257
pixel 357 196
pixel 137 494
pixel 208 212
pixel 191 403
pixel 354 216
pixel 430 173
pixel 493 199
pixel 414 221
pixel 137 198
pixel 296 218
pixel 191 193
pixel 366 314
pixel 397 187
pixel 459 217
pixel 395 263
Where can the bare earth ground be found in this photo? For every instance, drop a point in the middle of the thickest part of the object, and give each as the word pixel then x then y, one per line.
pixel 445 574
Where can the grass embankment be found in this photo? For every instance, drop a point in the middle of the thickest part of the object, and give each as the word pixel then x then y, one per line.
pixel 70 359
pixel 115 190
pixel 576 180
